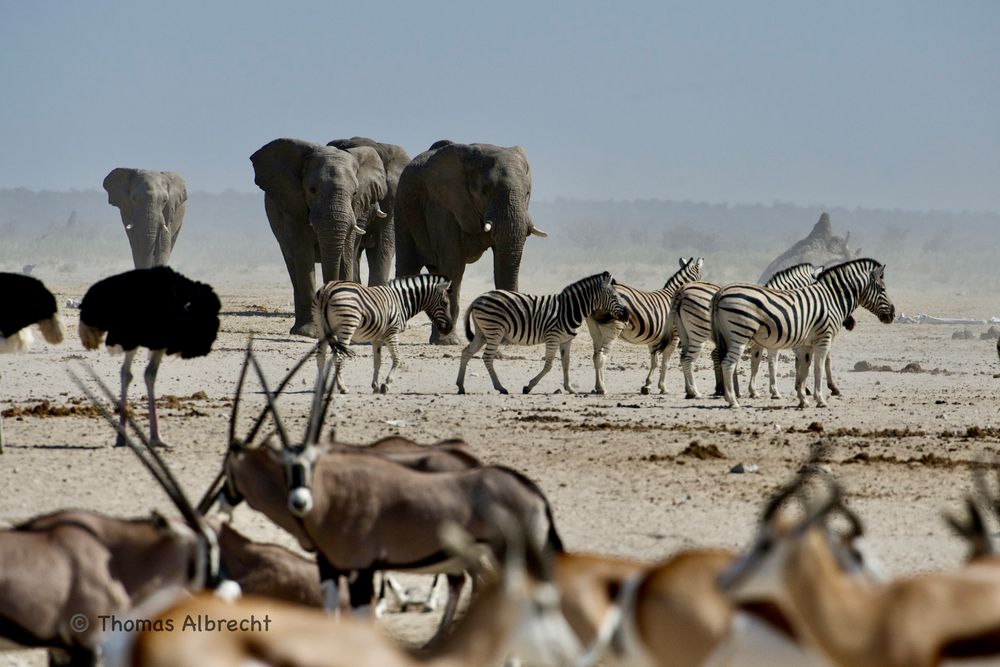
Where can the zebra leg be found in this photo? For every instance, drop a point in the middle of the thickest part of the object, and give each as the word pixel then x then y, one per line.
pixel 550 355
pixel 754 367
pixel 488 356
pixel 665 356
pixel 720 387
pixel 689 353
pixel 820 353
pixel 830 384
pixel 470 350
pixel 377 363
pixel 728 364
pixel 564 356
pixel 652 369
pixel 394 353
pixel 597 336
pixel 772 373
pixel 802 359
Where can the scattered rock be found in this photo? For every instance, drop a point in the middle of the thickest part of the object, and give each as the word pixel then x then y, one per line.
pixel 866 366
pixel 702 452
pixel 912 367
pixel 398 423
pixel 963 334
pixel 815 427
pixel 743 468
pixel 73 303
pixel 46 409
pixel 993 333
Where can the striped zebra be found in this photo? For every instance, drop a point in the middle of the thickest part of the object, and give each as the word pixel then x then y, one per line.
pixel 527 319
pixel 794 277
pixel 348 312
pixel 807 318
pixel 648 319
pixel 691 316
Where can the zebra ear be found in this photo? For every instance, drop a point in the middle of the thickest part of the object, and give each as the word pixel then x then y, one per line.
pixel 607 279
pixel 684 262
pixel 446 285
pixel 878 272
pixel 700 263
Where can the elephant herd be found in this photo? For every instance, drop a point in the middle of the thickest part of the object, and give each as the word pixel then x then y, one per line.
pixel 329 203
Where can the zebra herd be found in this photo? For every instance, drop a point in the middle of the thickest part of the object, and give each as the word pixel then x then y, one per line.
pixel 801 308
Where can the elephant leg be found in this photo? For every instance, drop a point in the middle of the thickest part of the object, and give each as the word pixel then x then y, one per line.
pixel 550 356
pixel 470 350
pixel 380 252
pixel 297 244
pixel 564 356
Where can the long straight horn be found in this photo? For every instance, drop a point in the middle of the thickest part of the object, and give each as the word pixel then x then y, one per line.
pixel 239 393
pixel 271 407
pixel 252 433
pixel 318 404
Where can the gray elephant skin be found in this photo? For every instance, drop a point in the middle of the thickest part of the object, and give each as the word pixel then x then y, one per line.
pixel 378 243
pixel 313 198
pixel 151 204
pixel 454 202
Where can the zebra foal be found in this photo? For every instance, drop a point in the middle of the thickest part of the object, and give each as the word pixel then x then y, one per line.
pixel 807 318
pixel 648 324
pixel 528 319
pixel 347 312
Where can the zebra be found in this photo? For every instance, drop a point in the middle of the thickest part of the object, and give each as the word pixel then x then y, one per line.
pixel 691 319
pixel 345 312
pixel 527 319
pixel 794 277
pixel 807 318
pixel 648 317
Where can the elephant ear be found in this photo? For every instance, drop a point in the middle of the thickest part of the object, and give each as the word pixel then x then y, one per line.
pixel 177 190
pixel 116 184
pixel 277 169
pixel 371 177
pixel 456 174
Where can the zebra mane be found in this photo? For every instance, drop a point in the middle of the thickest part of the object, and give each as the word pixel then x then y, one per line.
pixel 690 268
pixel 863 263
pixel 791 269
pixel 589 281
pixel 420 279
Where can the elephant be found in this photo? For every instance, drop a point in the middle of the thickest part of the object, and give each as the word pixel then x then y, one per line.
pixel 379 240
pixel 314 196
pixel 151 204
pixel 455 201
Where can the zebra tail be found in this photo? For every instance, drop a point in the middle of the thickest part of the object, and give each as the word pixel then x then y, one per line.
pixel 339 348
pixel 720 340
pixel 468 325
pixel 319 319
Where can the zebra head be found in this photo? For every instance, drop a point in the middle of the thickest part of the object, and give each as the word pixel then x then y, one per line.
pixel 439 307
pixel 606 298
pixel 874 297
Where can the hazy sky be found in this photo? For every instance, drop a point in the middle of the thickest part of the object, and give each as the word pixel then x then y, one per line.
pixel 874 104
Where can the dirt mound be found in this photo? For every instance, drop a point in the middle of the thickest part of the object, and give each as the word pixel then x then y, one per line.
pixel 47 409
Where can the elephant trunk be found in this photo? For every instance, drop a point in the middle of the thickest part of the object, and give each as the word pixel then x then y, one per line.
pixel 510 225
pixel 335 227
pixel 149 238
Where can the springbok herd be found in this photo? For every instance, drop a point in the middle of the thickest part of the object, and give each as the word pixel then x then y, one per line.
pixel 193 591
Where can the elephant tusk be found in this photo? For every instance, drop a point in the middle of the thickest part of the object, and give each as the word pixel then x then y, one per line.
pixel 487 226
pixel 128 226
pixel 379 212
pixel 539 233
pixel 359 230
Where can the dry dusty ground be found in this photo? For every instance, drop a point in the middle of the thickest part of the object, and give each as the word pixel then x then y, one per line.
pixel 613 466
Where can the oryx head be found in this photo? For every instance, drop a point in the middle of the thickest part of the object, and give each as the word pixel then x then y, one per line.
pixel 296 459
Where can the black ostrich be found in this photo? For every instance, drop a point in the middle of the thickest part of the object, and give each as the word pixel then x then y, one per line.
pixel 25 301
pixel 158 309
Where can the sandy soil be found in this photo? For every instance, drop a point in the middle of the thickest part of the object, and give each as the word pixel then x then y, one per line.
pixel 614 466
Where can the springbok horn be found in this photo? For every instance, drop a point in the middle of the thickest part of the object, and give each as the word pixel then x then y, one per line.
pixel 487 225
pixel 378 211
pixel 278 424
pixel 535 231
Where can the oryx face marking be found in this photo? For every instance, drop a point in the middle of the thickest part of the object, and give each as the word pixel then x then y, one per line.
pixel 298 464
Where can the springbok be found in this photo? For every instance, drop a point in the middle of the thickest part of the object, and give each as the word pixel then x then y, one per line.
pixel 523 601
pixel 919 621
pixel 362 513
pixel 64 572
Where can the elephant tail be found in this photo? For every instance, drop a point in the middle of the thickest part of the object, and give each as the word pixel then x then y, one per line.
pixel 468 325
